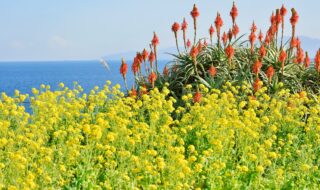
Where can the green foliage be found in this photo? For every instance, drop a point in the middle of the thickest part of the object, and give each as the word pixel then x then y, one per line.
pixel 188 67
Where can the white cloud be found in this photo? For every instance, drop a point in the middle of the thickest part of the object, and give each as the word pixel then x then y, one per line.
pixel 57 41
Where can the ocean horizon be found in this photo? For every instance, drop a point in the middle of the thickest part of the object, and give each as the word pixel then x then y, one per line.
pixel 25 75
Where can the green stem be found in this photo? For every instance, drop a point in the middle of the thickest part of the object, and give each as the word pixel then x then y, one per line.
pixel 282 32
pixel 195 30
pixel 176 37
pixel 125 84
pixel 184 40
pixel 156 56
pixel 218 35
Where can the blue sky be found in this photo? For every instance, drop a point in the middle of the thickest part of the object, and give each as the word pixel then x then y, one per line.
pixel 83 29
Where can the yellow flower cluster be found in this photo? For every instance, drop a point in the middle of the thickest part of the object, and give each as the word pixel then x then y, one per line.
pixel 105 140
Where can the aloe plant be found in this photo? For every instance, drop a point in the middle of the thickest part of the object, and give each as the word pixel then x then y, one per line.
pixel 232 59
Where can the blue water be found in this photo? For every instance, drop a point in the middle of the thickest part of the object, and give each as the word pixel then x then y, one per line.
pixel 24 76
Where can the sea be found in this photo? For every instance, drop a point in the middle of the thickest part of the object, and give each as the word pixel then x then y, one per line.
pixel 24 76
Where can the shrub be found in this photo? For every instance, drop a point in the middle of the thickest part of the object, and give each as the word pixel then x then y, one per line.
pixel 260 58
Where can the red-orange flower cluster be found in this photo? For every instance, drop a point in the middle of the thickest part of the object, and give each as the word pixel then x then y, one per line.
pixel 135 65
pixel 123 68
pixel 234 13
pixel 278 18
pixel 195 12
pixel 253 27
pixel 300 55
pixel 257 85
pixel 307 61
pixel 188 43
pixel 229 51
pixel 224 38
pixel 211 31
pixel 256 67
pixel 235 30
pixel 294 17
pixel 144 90
pixel 293 43
pixel 152 78
pixel 151 58
pixel 184 25
pixel 282 59
pixel 273 19
pixel 260 37
pixel 155 40
pixel 262 52
pixel 267 39
pixel 175 27
pixel 145 54
pixel 194 52
pixel 252 39
pixel 270 73
pixel 252 36
pixel 283 11
pixel 218 22
pixel 317 61
pixel 197 97
pixel 139 56
pixel 212 71
pixel 133 92
pixel 282 56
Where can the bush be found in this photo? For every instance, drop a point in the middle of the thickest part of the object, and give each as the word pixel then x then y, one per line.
pixel 260 58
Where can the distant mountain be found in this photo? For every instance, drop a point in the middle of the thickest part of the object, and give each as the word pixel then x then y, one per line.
pixel 308 44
